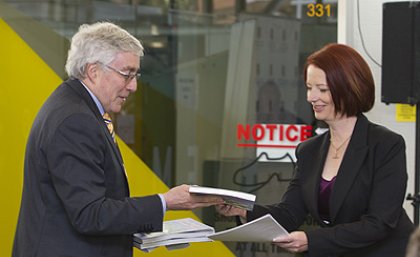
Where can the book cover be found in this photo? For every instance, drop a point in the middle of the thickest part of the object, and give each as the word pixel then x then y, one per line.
pixel 236 198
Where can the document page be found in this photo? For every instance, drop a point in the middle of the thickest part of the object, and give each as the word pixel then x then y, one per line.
pixel 263 229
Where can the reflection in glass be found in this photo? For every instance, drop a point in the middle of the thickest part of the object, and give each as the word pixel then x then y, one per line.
pixel 208 66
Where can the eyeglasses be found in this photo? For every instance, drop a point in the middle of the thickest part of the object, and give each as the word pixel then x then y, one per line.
pixel 128 76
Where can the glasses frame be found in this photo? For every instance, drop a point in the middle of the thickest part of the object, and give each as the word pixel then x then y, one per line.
pixel 128 76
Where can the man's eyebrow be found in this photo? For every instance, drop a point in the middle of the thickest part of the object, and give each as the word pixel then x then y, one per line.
pixel 131 68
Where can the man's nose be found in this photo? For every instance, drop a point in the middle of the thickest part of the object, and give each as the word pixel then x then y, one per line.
pixel 132 85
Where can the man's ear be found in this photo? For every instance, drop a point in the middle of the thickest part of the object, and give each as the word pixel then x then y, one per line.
pixel 92 71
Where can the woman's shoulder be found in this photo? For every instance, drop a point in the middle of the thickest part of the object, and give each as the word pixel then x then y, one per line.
pixel 381 133
pixel 382 141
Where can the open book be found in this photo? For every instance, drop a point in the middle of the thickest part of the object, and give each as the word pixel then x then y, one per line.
pixel 238 199
pixel 175 234
pixel 263 229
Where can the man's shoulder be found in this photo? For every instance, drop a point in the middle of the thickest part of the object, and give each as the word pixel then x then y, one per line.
pixel 61 104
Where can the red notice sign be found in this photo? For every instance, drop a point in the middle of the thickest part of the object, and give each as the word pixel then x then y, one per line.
pixel 276 140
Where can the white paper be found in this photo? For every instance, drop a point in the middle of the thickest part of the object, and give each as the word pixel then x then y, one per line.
pixel 263 229
pixel 180 228
pixel 176 234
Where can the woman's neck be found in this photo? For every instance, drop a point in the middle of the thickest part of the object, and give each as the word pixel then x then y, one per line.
pixel 342 128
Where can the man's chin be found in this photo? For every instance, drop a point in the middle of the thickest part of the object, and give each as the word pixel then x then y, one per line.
pixel 116 108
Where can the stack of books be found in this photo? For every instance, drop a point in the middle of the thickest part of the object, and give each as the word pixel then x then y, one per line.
pixel 176 234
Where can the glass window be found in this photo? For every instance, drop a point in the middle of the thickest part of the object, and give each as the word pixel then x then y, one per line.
pixel 221 101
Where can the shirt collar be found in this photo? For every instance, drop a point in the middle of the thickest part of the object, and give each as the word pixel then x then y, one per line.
pixel 95 99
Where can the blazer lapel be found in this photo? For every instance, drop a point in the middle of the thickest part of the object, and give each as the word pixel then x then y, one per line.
pixel 80 89
pixel 350 166
pixel 311 187
pixel 77 86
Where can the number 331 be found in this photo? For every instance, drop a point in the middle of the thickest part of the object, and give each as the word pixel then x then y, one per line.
pixel 318 10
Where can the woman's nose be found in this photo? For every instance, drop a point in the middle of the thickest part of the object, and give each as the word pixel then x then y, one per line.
pixel 311 96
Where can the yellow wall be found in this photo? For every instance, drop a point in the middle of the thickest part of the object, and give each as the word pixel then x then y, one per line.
pixel 25 82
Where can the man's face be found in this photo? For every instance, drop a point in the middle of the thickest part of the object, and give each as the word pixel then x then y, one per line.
pixel 113 87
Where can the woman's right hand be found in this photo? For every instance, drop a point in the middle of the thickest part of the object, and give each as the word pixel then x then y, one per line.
pixel 229 210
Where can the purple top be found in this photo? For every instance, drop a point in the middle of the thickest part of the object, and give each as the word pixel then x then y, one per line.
pixel 325 189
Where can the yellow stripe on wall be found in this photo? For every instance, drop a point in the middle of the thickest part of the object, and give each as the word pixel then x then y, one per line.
pixel 25 82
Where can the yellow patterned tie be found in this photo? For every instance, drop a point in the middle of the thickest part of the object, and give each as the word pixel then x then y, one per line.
pixel 109 125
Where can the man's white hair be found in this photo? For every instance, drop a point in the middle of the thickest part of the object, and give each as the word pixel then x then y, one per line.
pixel 99 42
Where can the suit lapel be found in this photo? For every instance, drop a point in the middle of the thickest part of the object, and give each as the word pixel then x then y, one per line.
pixel 311 187
pixel 77 86
pixel 350 166
pixel 80 89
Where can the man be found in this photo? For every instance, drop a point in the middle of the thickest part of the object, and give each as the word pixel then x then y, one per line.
pixel 75 199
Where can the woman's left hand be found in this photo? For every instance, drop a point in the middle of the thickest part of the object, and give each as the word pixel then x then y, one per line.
pixel 296 242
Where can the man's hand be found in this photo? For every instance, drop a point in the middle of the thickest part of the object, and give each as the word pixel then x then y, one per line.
pixel 179 198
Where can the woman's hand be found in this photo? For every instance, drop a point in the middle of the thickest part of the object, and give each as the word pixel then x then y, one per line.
pixel 296 242
pixel 229 210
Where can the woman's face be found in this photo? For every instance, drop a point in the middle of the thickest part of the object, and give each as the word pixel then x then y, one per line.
pixel 319 94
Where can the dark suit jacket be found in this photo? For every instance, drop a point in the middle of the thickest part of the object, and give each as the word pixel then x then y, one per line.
pixel 367 217
pixel 75 200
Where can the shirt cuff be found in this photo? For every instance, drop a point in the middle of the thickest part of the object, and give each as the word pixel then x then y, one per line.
pixel 242 220
pixel 162 199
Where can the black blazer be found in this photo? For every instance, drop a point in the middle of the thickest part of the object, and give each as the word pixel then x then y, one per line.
pixel 75 200
pixel 367 217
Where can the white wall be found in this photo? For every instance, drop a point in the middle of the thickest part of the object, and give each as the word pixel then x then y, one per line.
pixel 368 15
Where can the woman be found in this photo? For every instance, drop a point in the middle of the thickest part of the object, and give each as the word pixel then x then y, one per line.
pixel 351 179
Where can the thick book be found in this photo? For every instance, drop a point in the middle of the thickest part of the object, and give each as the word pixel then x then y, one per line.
pixel 176 233
pixel 263 229
pixel 236 198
